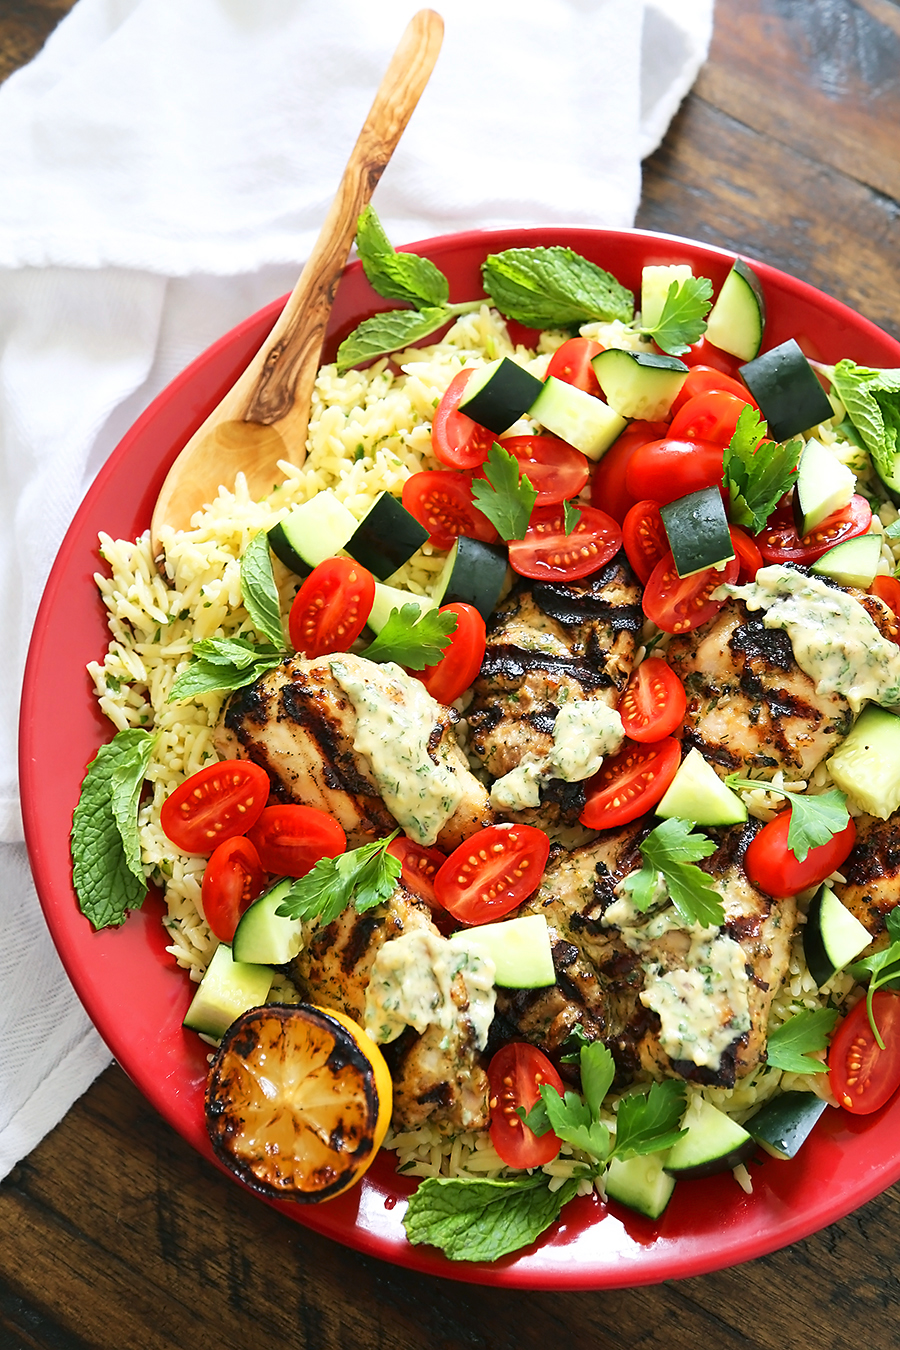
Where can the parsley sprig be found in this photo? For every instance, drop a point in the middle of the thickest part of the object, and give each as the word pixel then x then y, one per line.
pixel 683 317
pixel 671 850
pixel 362 877
pixel 413 637
pixel 791 1046
pixel 757 472
pixel 815 818
pixel 504 495
pixel 881 969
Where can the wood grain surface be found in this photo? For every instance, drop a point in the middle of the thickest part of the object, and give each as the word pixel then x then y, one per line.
pixel 113 1234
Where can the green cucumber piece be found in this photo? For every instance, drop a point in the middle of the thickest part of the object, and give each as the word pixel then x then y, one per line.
pixel 866 765
pixel 639 384
pixel 736 321
pixel 823 486
pixel 713 1143
pixel 228 988
pixel 263 937
pixel 655 282
pixel 641 1183
pixel 579 418
pixel 386 537
pixel 475 573
pixel 697 793
pixel 310 533
pixel 785 1122
pixel 785 386
pixel 388 598
pixel 832 936
pixel 698 532
pixel 520 950
pixel 852 563
pixel 498 394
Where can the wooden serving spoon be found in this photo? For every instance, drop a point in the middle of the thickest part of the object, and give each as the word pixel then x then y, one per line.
pixel 264 416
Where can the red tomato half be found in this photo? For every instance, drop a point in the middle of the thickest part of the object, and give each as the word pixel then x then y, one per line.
pixel 773 868
pixel 888 590
pixel 653 703
pixel 442 502
pixel 556 471
pixel 747 554
pixel 214 804
pixel 492 872
pixel 678 604
pixel 290 840
pixel 515 1075
pixel 712 416
pixel 664 470
pixel 644 538
pixel 704 378
pixel 780 543
pixel 608 488
pixel 572 362
pixel 549 554
pixel 630 782
pixel 419 865
pixel 457 441
pixel 862 1075
pixel 331 607
pixel 704 353
pixel 461 662
pixel 234 877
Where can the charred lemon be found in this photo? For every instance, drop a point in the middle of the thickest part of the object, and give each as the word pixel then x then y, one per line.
pixel 297 1101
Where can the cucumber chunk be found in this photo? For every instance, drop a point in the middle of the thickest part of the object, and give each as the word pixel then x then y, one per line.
pixel 640 1183
pixel 866 765
pixel 832 936
pixel 639 384
pixel 386 537
pixel 713 1143
pixel 823 486
pixel 520 950
pixel 852 563
pixel 698 532
pixel 655 282
pixel 498 394
pixel 388 598
pixel 697 793
pixel 263 937
pixel 228 988
pixel 578 418
pixel 475 573
pixel 736 321
pixel 785 1122
pixel 785 386
pixel 310 533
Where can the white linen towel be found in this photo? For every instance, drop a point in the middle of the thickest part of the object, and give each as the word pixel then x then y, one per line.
pixel 165 168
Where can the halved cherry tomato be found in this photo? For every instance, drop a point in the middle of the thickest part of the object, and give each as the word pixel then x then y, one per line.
pixel 608 488
pixel 704 378
pixel 442 502
pixel 216 803
pixel 771 865
pixel 233 878
pixel 556 470
pixel 630 782
pixel 862 1075
pixel 678 604
pixel 457 441
pixel 572 362
pixel 331 607
pixel 644 538
pixel 515 1075
pixel 703 353
pixel 419 865
pixel 664 470
pixel 653 703
pixel 888 590
pixel 780 543
pixel 747 554
pixel 492 872
pixel 712 416
pixel 461 662
pixel 290 840
pixel 548 553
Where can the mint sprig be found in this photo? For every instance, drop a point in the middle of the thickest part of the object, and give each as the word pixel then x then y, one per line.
pixel 222 664
pixel 872 400
pixel 553 288
pixel 258 590
pixel 475 1219
pixel 397 276
pixel 505 497
pixel 757 472
pixel 683 317
pixel 815 818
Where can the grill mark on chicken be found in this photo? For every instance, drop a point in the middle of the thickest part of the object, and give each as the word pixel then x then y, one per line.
pixel 872 871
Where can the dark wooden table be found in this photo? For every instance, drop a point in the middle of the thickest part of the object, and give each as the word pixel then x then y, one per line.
pixel 113 1234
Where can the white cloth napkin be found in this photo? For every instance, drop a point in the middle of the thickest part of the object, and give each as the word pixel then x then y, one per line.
pixel 165 168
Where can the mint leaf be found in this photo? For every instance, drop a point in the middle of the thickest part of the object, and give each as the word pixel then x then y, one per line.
pixel 683 317
pixel 872 400
pixel 222 664
pixel 647 1124
pixel 553 288
pixel 397 276
pixel 814 818
pixel 365 876
pixel 413 637
pixel 505 498
pixel 106 863
pixel 757 473
pixel 391 331
pixel 789 1045
pixel 471 1219
pixel 258 590
pixel 671 848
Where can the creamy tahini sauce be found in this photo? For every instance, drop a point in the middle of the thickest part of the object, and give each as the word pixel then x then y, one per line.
pixel 584 732
pixel 395 717
pixel 411 980
pixel 834 641
pixel 704 1005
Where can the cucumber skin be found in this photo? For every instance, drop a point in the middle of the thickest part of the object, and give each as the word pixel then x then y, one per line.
pixel 819 960
pixel 697 530
pixel 785 1122
pixel 789 395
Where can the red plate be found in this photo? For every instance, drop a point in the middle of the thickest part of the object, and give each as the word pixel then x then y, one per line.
pixel 137 997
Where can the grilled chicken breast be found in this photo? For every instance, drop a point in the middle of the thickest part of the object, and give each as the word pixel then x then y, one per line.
pixel 872 871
